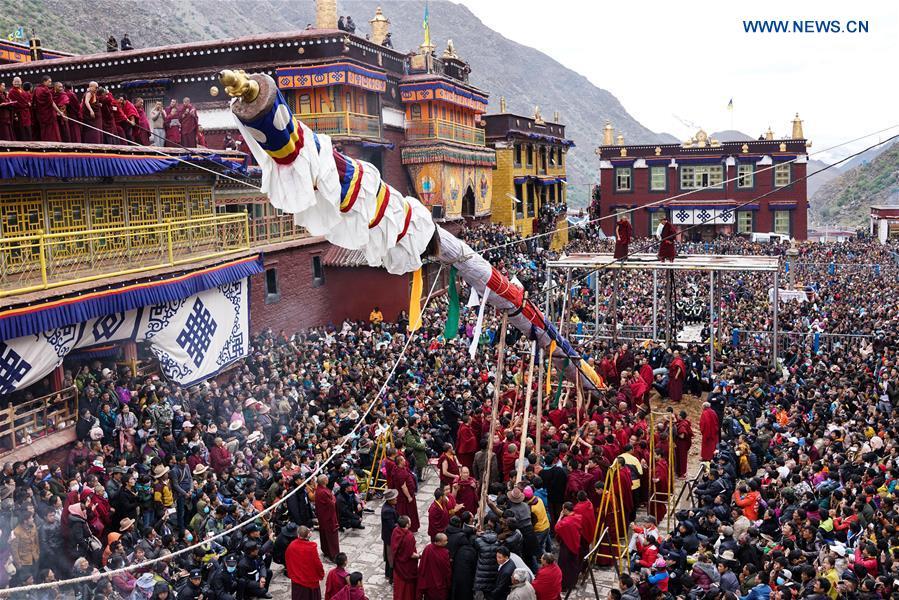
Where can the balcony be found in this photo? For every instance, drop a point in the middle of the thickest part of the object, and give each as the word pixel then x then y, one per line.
pixel 26 423
pixel 44 261
pixel 439 129
pixel 273 229
pixel 343 123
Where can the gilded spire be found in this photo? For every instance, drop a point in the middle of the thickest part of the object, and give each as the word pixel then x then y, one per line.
pixel 502 104
pixel 380 25
pixel 797 128
pixel 608 134
pixel 769 135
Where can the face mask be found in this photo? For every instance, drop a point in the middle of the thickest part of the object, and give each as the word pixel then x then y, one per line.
pixel 231 569
pixel 188 538
pixel 205 509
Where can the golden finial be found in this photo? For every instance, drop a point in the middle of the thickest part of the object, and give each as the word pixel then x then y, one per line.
pixel 769 135
pixel 555 116
pixel 608 134
pixel 502 104
pixel 214 91
pixel 538 118
pixel 623 151
pixel 450 51
pixel 620 140
pixel 744 148
pixel 658 151
pixel 238 85
pixel 797 128
pixel 782 147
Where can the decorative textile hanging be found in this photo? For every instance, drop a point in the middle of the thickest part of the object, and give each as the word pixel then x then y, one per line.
pixel 451 329
pixel 549 369
pixel 415 301
pixel 476 336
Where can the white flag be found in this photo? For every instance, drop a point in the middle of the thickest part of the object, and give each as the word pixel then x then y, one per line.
pixel 472 350
pixel 472 299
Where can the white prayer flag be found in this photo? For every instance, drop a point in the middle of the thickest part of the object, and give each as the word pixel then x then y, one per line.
pixel 472 350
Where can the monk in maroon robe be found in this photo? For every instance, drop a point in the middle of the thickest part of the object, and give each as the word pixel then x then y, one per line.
pixel 304 567
pixel 73 111
pixel 658 505
pixel 465 489
pixel 585 509
pixel 106 110
pixel 438 514
pixel 683 439
pixel 326 512
pixel 404 482
pixel 172 123
pixel 93 116
pixel 337 578
pixel 405 561
pixel 568 532
pixel 61 100
pixel 548 582
pixel 142 129
pixel 466 443
pixel 435 570
pixel 709 428
pixel 677 373
pixel 46 111
pixel 21 100
pixel 667 235
pixel 6 109
pixel 623 233
pixel 187 114
pixel 448 466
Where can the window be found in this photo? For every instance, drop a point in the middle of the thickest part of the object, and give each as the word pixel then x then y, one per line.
pixel 518 202
pixel 530 200
pixel 530 151
pixel 561 158
pixel 782 174
pixel 782 221
pixel 692 178
pixel 318 271
pixel 272 292
pixel 415 112
pixel 552 157
pixel 305 104
pixel 552 194
pixel 657 181
pixel 517 155
pixel 623 179
pixel 543 158
pixel 744 221
pixel 745 177
pixel 655 217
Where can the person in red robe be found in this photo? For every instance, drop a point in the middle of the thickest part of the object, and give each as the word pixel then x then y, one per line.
pixel 666 234
pixel 172 123
pixel 128 120
pixel 106 110
pixel 354 591
pixel 187 114
pixel 435 571
pixel 710 430
pixel 623 233
pixel 548 582
pixel 405 560
pixel 585 509
pixel 658 505
pixel 304 568
pixel 61 100
pixel 93 115
pixel 338 577
pixel 6 111
pixel 465 488
pixel 683 439
pixel 404 482
pixel 677 373
pixel 447 466
pixel 141 130
pixel 122 128
pixel 568 532
pixel 21 100
pixel 73 111
pixel 438 514
pixel 326 512
pixel 466 443
pixel 625 489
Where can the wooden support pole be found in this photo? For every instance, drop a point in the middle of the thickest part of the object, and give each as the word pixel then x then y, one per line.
pixel 527 411
pixel 540 403
pixel 497 391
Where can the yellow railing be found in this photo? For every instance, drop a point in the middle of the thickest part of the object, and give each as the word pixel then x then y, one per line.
pixel 343 123
pixel 274 228
pixel 21 423
pixel 444 130
pixel 38 262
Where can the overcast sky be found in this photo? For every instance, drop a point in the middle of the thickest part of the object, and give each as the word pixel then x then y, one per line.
pixel 675 65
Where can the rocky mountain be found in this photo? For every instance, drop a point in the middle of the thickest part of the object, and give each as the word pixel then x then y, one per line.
pixel 845 200
pixel 731 135
pixel 500 66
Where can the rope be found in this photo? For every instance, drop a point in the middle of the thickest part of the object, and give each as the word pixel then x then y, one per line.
pixel 336 450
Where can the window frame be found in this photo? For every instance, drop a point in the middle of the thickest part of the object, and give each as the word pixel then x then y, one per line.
pixel 619 171
pixel 516 154
pixel 272 297
pixel 655 168
pixel 782 213
pixel 697 170
pixel 655 220
pixel 318 271
pixel 740 183
pixel 778 171
pixel 738 221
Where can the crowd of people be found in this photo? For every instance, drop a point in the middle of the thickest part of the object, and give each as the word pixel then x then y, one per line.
pixel 796 499
pixel 52 111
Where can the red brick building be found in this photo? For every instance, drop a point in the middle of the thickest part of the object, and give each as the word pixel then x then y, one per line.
pixel 710 187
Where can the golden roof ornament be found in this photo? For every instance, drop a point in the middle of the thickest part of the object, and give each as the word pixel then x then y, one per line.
pixel 538 118
pixel 608 134
pixel 620 140
pixel 782 147
pixel 502 104
pixel 658 151
pixel 797 128
pixel 702 138
pixel 238 85
pixel 744 148
pixel 769 135
pixel 623 151
pixel 555 116
pixel 450 51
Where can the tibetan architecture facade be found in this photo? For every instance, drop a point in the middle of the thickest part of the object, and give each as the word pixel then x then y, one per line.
pixel 530 181
pixel 714 187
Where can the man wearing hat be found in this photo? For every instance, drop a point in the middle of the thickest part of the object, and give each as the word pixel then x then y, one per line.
pixel 252 575
pixel 193 589
pixel 726 563
pixel 389 517
pixel 285 537
pixel 182 486
pixel 163 497
pixel 223 581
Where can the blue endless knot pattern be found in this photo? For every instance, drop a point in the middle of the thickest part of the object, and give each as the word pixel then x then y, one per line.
pixel 105 327
pixel 197 333
pixel 13 368
pixel 682 215
pixel 704 216
pixel 725 216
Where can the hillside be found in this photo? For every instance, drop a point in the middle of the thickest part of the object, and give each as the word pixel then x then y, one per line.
pixel 845 200
pixel 525 76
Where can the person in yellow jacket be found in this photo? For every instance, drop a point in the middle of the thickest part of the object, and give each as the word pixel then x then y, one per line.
pixel 25 547
pixel 375 316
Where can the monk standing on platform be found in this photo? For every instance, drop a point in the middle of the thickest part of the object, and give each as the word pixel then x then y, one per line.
pixel 683 439
pixel 61 100
pixel 304 567
pixel 21 110
pixel 438 515
pixel 435 570
pixel 405 561
pixel 326 511
pixel 658 504
pixel 187 114
pixel 465 488
pixel 46 111
pixel 666 234
pixel 708 427
pixel 172 125
pixel 73 111
pixel 677 374
pixel 568 530
pixel 6 108
pixel 623 233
